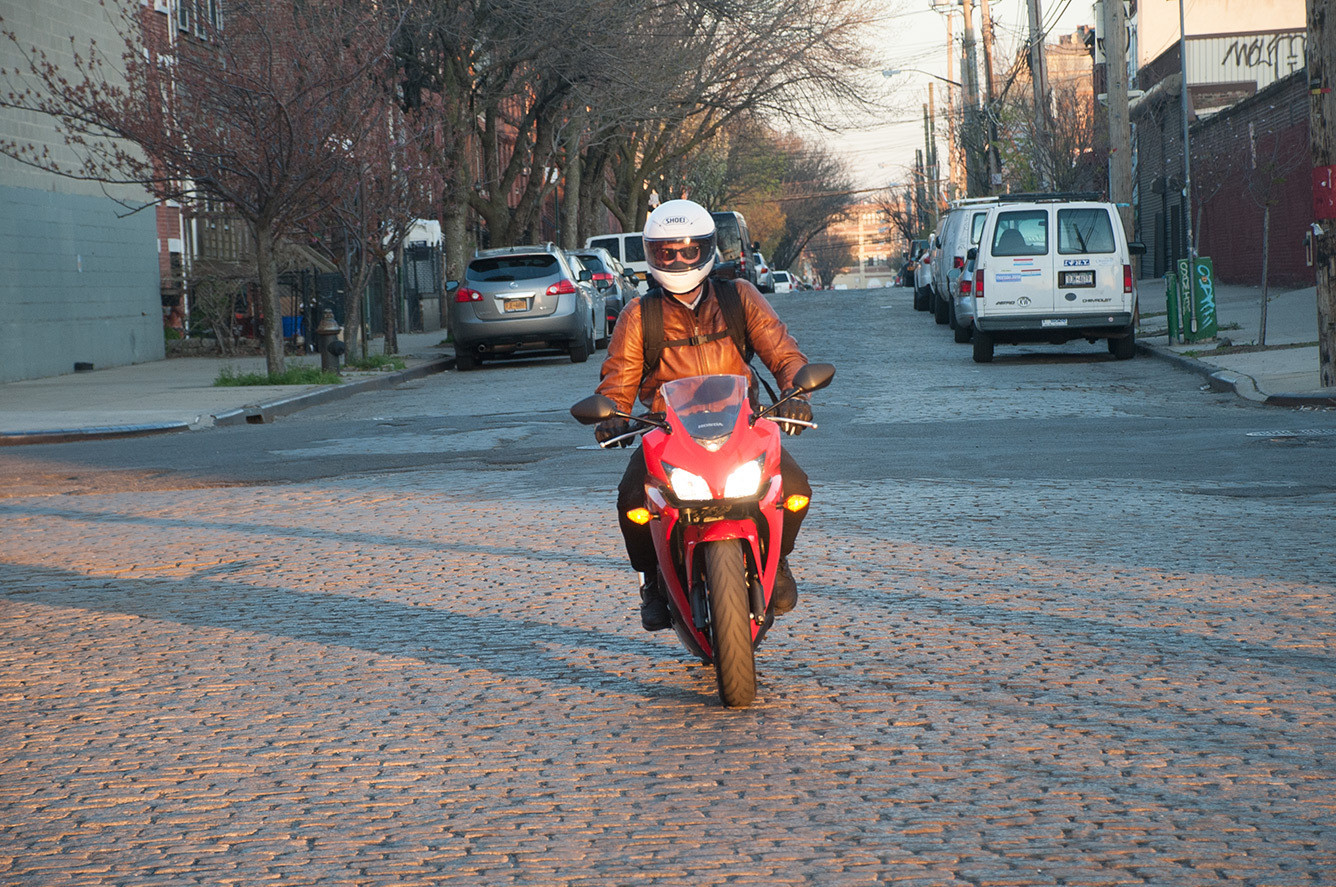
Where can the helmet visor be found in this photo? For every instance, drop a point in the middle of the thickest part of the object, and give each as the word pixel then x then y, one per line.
pixel 681 254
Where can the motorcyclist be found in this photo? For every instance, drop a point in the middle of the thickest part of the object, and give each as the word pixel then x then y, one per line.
pixel 679 239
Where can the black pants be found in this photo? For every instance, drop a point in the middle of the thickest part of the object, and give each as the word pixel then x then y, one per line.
pixel 639 542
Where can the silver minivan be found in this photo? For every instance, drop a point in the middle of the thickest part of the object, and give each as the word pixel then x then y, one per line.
pixel 1053 269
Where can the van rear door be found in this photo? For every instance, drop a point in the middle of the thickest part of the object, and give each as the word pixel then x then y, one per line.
pixel 1019 273
pixel 1089 262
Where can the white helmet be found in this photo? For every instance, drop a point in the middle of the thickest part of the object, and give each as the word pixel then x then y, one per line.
pixel 679 245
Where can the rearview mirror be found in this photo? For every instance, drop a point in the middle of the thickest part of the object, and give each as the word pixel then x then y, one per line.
pixel 586 276
pixel 594 409
pixel 973 253
pixel 451 286
pixel 1136 248
pixel 813 377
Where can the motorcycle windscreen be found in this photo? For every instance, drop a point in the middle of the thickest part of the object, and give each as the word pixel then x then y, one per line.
pixel 707 406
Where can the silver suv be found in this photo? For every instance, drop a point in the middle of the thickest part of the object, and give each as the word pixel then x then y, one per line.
pixel 521 299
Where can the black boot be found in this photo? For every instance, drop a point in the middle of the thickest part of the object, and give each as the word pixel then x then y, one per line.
pixel 785 596
pixel 653 605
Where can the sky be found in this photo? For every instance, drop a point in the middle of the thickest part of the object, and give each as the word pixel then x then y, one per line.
pixel 879 148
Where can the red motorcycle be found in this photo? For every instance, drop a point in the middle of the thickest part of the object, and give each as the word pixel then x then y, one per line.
pixel 715 509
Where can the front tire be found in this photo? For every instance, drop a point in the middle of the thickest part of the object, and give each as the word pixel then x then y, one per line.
pixel 730 622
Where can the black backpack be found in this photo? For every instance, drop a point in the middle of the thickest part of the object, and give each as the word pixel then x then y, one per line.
pixel 651 319
pixel 735 316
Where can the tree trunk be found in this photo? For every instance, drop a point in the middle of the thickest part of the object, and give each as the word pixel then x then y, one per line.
pixel 267 268
pixel 389 305
pixel 1322 134
pixel 570 206
pixel 1266 258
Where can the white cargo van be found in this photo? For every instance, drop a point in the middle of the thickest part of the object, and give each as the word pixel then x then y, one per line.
pixel 1053 269
pixel 959 231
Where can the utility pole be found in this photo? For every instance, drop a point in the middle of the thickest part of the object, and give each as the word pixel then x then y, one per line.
pixel 930 155
pixel 1039 80
pixel 990 111
pixel 1322 135
pixel 1120 127
pixel 952 151
pixel 972 136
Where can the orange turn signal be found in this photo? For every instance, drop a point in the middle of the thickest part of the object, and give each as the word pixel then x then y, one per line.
pixel 640 515
pixel 796 502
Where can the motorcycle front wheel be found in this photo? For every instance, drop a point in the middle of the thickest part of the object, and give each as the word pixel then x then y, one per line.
pixel 730 622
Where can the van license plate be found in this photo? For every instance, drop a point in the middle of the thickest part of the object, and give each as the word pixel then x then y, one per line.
pixel 1053 321
pixel 1077 278
pixel 517 304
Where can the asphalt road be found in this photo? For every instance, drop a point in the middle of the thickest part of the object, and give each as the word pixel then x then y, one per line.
pixel 1063 620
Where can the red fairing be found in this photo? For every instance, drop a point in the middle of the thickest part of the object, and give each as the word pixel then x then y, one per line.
pixel 745 443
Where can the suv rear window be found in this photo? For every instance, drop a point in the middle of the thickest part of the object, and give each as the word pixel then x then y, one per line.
pixel 1085 230
pixel 592 262
pixel 506 268
pixel 1021 233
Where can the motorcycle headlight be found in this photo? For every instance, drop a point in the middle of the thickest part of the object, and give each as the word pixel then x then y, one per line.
pixel 689 487
pixel 745 480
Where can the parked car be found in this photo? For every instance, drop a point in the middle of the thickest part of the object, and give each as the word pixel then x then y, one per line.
pixel 916 248
pixel 627 248
pixel 1053 269
pixel 617 284
pixel 923 266
pixel 521 298
pixel 765 277
pixel 733 240
pixel 783 283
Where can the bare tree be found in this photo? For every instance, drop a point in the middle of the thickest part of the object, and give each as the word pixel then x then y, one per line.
pixel 263 114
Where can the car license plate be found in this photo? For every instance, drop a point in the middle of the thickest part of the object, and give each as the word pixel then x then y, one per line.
pixel 1053 321
pixel 517 305
pixel 1078 278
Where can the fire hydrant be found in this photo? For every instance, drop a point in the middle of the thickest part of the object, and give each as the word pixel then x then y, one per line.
pixel 328 343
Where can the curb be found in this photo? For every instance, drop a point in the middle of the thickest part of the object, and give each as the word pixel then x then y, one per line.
pixel 1243 385
pixel 260 414
pixel 20 438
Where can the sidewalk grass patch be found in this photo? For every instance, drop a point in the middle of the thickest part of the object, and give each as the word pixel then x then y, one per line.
pixel 292 376
pixel 377 362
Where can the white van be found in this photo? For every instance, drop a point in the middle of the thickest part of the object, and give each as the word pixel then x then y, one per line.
pixel 628 248
pixel 960 230
pixel 1053 269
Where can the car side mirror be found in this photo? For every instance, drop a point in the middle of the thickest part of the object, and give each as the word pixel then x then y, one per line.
pixel 973 253
pixel 594 409
pixel 451 286
pixel 756 245
pixel 586 275
pixel 1136 248
pixel 813 377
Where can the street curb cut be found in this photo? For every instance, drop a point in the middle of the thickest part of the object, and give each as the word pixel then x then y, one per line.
pixel 1243 385
pixel 260 414
pixel 68 435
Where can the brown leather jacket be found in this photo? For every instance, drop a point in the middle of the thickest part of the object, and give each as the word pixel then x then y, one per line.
pixel 768 335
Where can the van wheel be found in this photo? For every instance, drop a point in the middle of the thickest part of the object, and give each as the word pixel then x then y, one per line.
pixel 1124 348
pixel 941 310
pixel 983 347
pixel 963 333
pixel 951 313
pixel 920 299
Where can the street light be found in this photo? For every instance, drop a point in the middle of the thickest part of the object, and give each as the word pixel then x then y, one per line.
pixel 891 72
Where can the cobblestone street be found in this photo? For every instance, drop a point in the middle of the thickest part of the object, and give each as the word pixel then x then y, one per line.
pixel 436 675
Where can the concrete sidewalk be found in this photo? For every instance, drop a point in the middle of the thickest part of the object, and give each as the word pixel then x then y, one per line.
pixel 1283 373
pixel 178 394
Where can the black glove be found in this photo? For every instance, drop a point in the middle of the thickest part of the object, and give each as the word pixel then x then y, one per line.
pixel 797 408
pixel 610 428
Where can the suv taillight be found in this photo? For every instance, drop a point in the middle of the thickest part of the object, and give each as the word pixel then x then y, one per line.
pixel 966 285
pixel 959 262
pixel 464 294
pixel 562 288
pixel 603 278
pixel 1127 280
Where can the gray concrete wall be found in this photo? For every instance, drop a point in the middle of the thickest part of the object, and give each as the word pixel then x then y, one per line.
pixel 78 283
